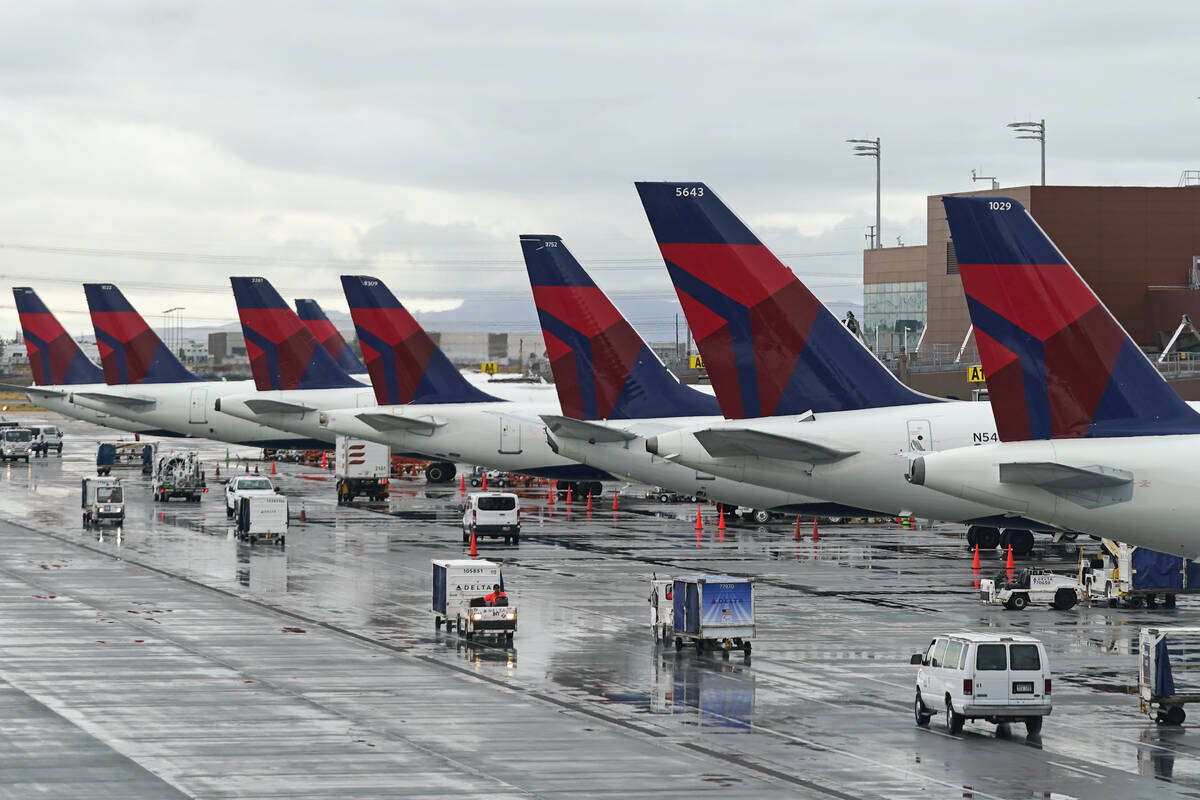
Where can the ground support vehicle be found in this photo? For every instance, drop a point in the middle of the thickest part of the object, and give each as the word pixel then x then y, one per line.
pixel 664 495
pixel 995 677
pixel 16 443
pixel 1168 672
pixel 120 455
pixel 261 517
pixel 362 469
pixel 1127 576
pixel 714 611
pixel 245 486
pixel 103 502
pixel 178 475
pixel 662 609
pixel 1031 587
pixel 459 588
pixel 496 514
pixel 46 438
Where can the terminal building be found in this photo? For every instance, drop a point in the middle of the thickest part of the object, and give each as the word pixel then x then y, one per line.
pixel 1138 247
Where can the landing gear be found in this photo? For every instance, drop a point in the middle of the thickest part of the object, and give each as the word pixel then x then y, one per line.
pixel 987 538
pixel 440 472
pixel 1021 541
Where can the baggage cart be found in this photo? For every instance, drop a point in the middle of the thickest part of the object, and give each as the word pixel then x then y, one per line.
pixel 714 611
pixel 459 586
pixel 1168 672
pixel 662 609
pixel 115 455
pixel 261 517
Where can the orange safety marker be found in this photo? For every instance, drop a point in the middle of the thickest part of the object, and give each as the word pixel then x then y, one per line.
pixel 797 537
pixel 474 550
pixel 589 505
pixel 1008 563
pixel 551 492
pixel 485 481
pixel 975 561
pixel 721 518
pixel 614 500
pixel 569 488
pixel 816 534
pixel 303 516
pixel 462 483
pixel 218 470
pixel 247 467
pixel 699 522
pixel 323 454
pixel 272 466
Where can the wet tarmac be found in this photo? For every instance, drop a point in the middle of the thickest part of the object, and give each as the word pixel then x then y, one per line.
pixel 167 659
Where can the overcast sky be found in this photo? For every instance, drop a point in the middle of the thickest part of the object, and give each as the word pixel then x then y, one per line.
pixel 414 142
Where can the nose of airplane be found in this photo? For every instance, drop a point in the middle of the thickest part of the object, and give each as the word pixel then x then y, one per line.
pixel 916 471
pixel 652 445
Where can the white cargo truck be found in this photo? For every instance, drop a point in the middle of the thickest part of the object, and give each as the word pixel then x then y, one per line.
pixel 468 595
pixel 362 469
pixel 262 517
pixel 103 502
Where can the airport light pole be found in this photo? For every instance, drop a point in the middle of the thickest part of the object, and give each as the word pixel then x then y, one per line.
pixel 1037 132
pixel 870 148
pixel 173 332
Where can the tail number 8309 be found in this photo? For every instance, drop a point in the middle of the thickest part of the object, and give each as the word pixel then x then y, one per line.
pixel 689 191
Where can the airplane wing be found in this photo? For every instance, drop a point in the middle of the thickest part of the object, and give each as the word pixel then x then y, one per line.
pixel 586 431
pixel 739 442
pixel 1048 475
pixel 277 407
pixel 34 390
pixel 128 401
pixel 392 422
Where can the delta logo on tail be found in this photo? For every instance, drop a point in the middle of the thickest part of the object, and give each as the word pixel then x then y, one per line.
pixel 404 363
pixel 314 318
pixel 602 367
pixel 771 348
pixel 54 357
pixel 1058 364
pixel 284 353
pixel 130 352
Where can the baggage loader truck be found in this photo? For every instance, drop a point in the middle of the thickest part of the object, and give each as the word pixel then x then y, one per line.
pixel 460 587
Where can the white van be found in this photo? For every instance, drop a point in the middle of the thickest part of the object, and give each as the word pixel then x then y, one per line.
pixel 47 438
pixel 998 678
pixel 492 514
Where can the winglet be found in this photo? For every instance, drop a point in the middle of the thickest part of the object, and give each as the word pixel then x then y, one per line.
pixel 770 347
pixel 1058 365
pixel 284 354
pixel 54 357
pixel 404 363
pixel 130 352
pixel 330 338
pixel 602 368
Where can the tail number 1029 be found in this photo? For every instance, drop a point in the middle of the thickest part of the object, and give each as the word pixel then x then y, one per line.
pixel 999 205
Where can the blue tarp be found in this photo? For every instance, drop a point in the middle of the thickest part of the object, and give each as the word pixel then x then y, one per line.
pixel 1154 570
pixel 1164 683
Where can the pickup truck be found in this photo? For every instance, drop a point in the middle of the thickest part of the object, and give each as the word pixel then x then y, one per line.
pixel 244 486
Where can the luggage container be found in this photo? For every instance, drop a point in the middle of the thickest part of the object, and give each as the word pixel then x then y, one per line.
pixel 114 455
pixel 362 469
pixel 1168 672
pixel 662 609
pixel 261 517
pixel 714 611
pixel 459 588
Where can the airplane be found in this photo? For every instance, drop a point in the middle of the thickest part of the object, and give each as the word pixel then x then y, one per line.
pixel 1092 437
pixel 163 393
pixel 276 337
pixel 331 339
pixel 809 409
pixel 59 366
pixel 614 391
pixel 426 406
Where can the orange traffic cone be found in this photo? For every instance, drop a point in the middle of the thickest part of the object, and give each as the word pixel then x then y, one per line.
pixel 699 521
pixel 272 466
pixel 474 550
pixel 303 516
pixel 247 467
pixel 551 492
pixel 324 453
pixel 614 501
pixel 721 518
pixel 462 483
pixel 797 537
pixel 218 470
pixel 589 505
pixel 1008 563
pixel 816 534
pixel 975 561
pixel 569 499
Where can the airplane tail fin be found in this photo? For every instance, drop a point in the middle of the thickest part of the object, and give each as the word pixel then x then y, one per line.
pixel 54 357
pixel 404 363
pixel 602 367
pixel 284 354
pixel 130 352
pixel 330 338
pixel 771 348
pixel 1058 365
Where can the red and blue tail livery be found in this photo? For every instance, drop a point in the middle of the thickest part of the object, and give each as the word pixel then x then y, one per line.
pixel 404 363
pixel 314 318
pixel 130 352
pixel 54 356
pixel 602 368
pixel 1058 364
pixel 284 354
pixel 770 347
